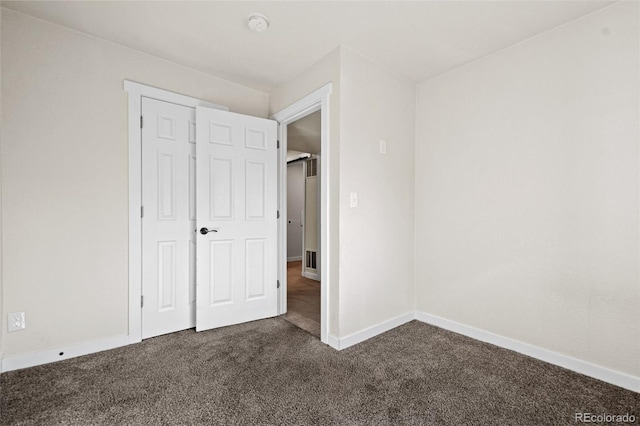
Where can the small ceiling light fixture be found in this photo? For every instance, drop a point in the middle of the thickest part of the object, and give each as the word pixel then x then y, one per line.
pixel 257 22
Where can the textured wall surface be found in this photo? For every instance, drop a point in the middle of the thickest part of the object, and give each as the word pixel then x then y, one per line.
pixel 377 237
pixel 65 176
pixel 527 192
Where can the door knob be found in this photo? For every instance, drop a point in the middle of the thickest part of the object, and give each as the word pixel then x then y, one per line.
pixel 205 231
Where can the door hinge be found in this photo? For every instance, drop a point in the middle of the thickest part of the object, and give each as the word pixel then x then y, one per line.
pixel 141 211
pixel 141 301
pixel 278 144
pixel 141 122
pixel 278 214
pixel 278 284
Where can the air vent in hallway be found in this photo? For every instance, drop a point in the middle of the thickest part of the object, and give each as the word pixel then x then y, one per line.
pixel 311 260
pixel 312 167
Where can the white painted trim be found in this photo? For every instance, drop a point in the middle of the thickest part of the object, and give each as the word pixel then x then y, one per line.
pixel 334 342
pixel 136 92
pixel 303 219
pixel 315 101
pixel 605 374
pixel 374 330
pixel 53 355
pixel 139 89
pixel 303 107
pixel 135 221
pixel 294 259
pixel 311 275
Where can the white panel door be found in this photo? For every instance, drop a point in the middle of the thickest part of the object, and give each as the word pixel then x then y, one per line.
pixel 236 181
pixel 168 198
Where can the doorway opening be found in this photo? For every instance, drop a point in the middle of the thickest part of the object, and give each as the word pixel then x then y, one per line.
pixel 317 101
pixel 303 223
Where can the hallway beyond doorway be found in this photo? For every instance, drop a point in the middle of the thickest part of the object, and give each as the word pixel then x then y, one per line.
pixel 303 300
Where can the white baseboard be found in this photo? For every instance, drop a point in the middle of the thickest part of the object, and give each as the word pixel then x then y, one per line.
pixel 369 332
pixel 311 275
pixel 53 355
pixel 605 374
pixel 333 341
pixel 294 258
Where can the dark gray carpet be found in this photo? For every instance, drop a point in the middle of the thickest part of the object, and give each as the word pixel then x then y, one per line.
pixel 270 372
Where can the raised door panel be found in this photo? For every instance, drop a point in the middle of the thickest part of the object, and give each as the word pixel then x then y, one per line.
pixel 255 190
pixel 166 275
pixel 255 264
pixel 166 186
pixel 221 272
pixel 221 189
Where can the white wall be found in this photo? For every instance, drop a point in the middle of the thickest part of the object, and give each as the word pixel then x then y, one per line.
pixel 527 191
pixel 65 176
pixel 295 205
pixel 372 278
pixel 326 70
pixel 377 238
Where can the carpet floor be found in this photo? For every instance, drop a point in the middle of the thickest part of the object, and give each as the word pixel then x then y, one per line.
pixel 271 372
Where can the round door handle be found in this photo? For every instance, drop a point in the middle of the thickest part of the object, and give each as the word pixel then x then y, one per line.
pixel 205 231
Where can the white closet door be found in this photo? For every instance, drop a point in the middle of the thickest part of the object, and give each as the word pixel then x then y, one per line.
pixel 236 181
pixel 168 198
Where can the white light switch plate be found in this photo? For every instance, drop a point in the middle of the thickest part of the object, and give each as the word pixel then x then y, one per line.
pixel 383 146
pixel 353 199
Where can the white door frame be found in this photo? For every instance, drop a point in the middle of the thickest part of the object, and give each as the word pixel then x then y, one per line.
pixel 136 92
pixel 316 101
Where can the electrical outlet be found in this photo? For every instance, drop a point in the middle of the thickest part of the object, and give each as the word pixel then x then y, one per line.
pixel 16 321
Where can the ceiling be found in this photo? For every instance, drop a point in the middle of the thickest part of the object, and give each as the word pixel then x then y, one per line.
pixel 304 134
pixel 418 39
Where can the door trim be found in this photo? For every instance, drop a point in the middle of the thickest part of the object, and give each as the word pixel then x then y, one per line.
pixel 136 91
pixel 315 101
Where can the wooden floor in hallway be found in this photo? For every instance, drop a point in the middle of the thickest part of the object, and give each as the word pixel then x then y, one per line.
pixel 303 300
